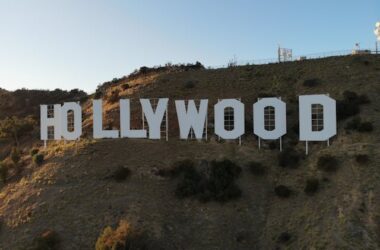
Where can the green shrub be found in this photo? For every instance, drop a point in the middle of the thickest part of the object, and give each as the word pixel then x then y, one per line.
pixel 312 186
pixel 289 158
pixel 311 82
pixel 15 155
pixel 282 191
pixel 256 168
pixel 3 172
pixel 34 151
pixel 362 159
pixel 121 173
pixel 217 184
pixel 38 159
pixel 327 163
pixel 48 240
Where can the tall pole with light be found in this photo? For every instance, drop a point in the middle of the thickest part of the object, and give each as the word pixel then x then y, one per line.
pixel 377 34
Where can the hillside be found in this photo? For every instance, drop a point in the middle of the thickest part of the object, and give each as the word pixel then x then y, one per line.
pixel 77 191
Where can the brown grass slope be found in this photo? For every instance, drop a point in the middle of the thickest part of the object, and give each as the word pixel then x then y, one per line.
pixel 72 192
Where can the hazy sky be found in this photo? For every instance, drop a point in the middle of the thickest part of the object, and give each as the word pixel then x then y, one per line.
pixel 78 44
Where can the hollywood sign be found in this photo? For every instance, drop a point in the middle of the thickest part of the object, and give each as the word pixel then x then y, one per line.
pixel 317 119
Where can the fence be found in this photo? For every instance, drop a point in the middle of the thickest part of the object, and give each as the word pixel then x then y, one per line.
pixel 298 58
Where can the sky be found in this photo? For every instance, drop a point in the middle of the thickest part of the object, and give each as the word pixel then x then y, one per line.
pixel 68 44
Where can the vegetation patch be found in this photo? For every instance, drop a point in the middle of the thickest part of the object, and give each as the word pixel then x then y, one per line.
pixel 190 84
pixel 48 240
pixel 282 191
pixel 3 172
pixel 178 168
pixel 357 124
pixel 121 174
pixel 284 237
pixel 311 82
pixel 350 104
pixel 362 159
pixel 216 183
pixel 114 97
pixel 34 151
pixel 327 163
pixel 256 168
pixel 312 186
pixel 38 159
pixel 289 159
pixel 125 86
pixel 123 237
pixel 15 155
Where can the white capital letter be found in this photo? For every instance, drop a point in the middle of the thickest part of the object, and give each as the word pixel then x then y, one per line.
pixel 77 116
pixel 191 118
pixel 125 122
pixel 98 122
pixel 47 122
pixel 238 119
pixel 278 117
pixel 154 118
pixel 328 115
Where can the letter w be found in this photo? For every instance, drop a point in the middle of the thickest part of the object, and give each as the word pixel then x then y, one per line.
pixel 191 118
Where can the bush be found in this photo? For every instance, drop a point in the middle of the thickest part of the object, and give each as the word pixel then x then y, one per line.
pixel 125 86
pixel 312 186
pixel 350 105
pixel 358 125
pixel 257 168
pixel 365 127
pixel 190 84
pixel 34 151
pixel 289 158
pixel 311 82
pixel 284 237
pixel 178 168
pixel 121 173
pixel 327 163
pixel 38 159
pixel 217 184
pixel 48 240
pixel 98 94
pixel 282 191
pixel 3 172
pixel 123 237
pixel 362 159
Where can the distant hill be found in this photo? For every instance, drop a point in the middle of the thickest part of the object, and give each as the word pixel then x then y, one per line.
pixel 200 195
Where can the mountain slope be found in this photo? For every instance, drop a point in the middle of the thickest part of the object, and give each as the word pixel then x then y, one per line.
pixel 75 194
